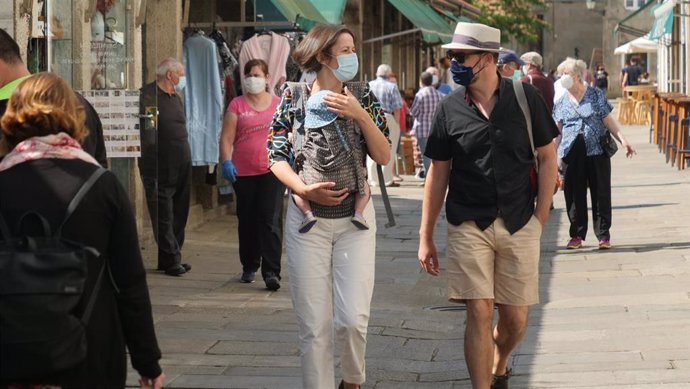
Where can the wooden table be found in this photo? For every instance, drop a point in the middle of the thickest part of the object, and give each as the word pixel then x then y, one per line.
pixel 636 91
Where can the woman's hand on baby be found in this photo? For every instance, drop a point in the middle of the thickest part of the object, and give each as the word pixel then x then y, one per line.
pixel 321 193
pixel 345 105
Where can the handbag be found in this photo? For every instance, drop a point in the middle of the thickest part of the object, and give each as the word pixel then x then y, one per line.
pixel 608 144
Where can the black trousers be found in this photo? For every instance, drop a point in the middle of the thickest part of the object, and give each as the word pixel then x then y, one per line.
pixel 168 203
pixel 260 217
pixel 583 172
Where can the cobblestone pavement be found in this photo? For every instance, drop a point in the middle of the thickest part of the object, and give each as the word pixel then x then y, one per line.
pixel 608 319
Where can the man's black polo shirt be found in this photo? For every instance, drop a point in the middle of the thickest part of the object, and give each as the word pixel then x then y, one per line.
pixel 491 159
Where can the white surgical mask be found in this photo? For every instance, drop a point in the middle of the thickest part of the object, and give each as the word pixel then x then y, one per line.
pixel 254 85
pixel 567 81
pixel 179 87
pixel 348 65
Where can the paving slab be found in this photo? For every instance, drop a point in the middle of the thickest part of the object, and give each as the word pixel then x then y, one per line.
pixel 608 319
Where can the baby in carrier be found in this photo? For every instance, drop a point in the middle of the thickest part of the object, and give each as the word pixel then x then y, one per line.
pixel 331 154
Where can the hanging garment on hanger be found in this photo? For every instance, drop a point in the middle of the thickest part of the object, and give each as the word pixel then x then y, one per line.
pixel 227 59
pixel 203 99
pixel 272 48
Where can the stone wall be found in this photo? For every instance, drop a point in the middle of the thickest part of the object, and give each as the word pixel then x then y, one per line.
pixel 575 32
pixel 7 16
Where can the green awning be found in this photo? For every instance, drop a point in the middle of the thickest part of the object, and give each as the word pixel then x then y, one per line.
pixel 308 13
pixel 623 27
pixel 663 20
pixel 435 29
pixel 456 18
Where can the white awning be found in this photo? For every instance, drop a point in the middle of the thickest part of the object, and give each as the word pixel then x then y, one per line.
pixel 639 45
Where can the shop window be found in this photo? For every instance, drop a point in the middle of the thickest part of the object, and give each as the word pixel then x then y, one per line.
pixel 633 4
pixel 108 45
pixel 50 43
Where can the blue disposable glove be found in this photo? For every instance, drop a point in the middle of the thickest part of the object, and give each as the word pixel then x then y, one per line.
pixel 229 171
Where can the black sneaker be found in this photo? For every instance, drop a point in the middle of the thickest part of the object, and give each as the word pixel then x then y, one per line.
pixel 186 266
pixel 272 282
pixel 501 381
pixel 248 277
pixel 175 271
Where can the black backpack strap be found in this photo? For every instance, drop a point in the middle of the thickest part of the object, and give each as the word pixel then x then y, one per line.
pixel 79 196
pixel 5 230
pixel 86 315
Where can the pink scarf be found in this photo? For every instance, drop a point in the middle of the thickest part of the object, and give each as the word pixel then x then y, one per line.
pixel 50 146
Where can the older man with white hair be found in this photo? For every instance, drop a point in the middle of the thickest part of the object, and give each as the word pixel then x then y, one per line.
pixel 166 163
pixel 391 102
pixel 436 81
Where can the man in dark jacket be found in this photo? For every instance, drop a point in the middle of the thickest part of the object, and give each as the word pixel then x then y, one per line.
pixel 166 163
pixel 533 75
pixel 13 71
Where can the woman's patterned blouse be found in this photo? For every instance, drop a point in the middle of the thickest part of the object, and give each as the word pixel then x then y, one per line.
pixel 585 118
pixel 280 149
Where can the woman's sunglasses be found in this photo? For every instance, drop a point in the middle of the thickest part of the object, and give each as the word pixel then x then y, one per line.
pixel 460 57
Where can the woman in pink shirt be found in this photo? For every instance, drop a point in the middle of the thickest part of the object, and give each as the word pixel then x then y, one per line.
pixel 245 163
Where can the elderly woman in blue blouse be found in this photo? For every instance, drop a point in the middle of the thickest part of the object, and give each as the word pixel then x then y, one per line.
pixel 584 117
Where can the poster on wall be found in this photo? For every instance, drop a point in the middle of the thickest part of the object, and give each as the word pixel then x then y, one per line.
pixel 119 113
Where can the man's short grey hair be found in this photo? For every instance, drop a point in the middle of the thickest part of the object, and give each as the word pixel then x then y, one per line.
pixel 572 66
pixel 384 70
pixel 426 78
pixel 167 65
pixel 432 70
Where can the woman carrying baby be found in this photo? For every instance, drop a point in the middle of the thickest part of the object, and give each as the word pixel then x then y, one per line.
pixel 331 265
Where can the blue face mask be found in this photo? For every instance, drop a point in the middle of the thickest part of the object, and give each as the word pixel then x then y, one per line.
pixel 516 75
pixel 348 65
pixel 179 87
pixel 462 75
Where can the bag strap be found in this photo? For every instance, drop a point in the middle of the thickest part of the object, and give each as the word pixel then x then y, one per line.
pixel 76 200
pixel 5 230
pixel 524 107
pixel 79 196
pixel 86 315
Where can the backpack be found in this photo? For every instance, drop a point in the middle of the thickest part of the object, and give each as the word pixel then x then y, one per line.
pixel 43 305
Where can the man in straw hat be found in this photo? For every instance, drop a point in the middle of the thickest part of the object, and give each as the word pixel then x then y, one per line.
pixel 480 151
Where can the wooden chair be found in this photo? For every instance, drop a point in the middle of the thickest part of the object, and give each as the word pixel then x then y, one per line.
pixel 671 146
pixel 626 110
pixel 643 107
pixel 684 147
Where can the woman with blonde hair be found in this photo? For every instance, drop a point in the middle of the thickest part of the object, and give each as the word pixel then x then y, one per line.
pixel 583 115
pixel 43 170
pixel 332 265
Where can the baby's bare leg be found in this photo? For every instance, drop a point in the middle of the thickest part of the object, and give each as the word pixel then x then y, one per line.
pixel 361 201
pixel 302 204
pixel 309 218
